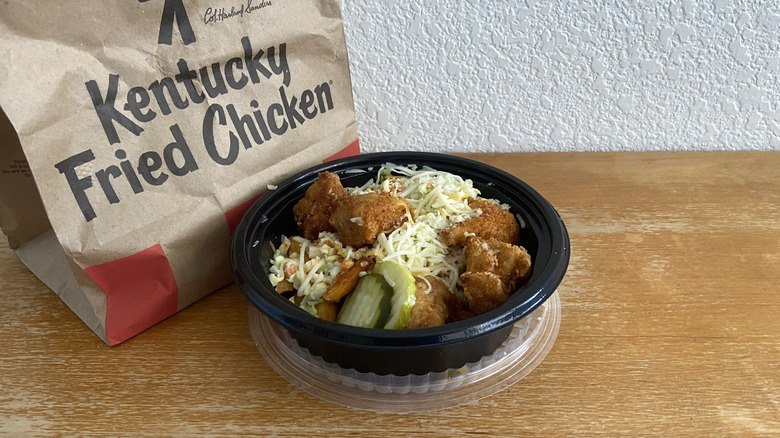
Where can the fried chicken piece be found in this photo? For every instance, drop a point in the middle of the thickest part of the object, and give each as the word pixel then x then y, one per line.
pixel 312 213
pixel 359 219
pixel 514 264
pixel 494 222
pixel 433 308
pixel 459 311
pixel 509 262
pixel 493 270
pixel 484 291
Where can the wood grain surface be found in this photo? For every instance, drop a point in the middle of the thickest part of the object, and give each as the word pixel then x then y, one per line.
pixel 670 326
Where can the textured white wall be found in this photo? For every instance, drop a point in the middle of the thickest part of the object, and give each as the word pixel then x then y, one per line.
pixel 499 76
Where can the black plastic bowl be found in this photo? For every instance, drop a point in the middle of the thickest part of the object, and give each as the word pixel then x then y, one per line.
pixel 400 352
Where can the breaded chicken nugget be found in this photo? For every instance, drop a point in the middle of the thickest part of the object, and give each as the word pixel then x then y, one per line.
pixel 459 311
pixel 510 262
pixel 312 213
pixel 430 309
pixel 493 270
pixel 514 263
pixel 484 291
pixel 494 222
pixel 360 218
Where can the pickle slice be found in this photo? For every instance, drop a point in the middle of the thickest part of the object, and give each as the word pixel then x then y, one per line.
pixel 369 304
pixel 402 282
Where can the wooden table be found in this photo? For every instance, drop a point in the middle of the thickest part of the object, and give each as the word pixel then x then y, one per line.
pixel 670 325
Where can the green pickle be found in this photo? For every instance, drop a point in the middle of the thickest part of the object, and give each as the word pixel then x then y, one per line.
pixel 369 304
pixel 383 299
pixel 402 282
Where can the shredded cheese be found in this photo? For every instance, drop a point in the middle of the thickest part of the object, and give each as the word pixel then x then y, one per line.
pixel 438 199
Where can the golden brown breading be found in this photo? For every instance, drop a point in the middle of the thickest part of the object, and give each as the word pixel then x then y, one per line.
pixel 484 291
pixel 360 218
pixel 494 222
pixel 312 213
pixel 480 257
pixel 430 309
pixel 493 271
pixel 509 262
pixel 514 263
pixel 459 311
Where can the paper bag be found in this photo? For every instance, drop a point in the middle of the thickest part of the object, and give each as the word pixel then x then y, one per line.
pixel 141 131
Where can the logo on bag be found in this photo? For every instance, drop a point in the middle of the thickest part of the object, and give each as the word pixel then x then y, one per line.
pixel 173 10
pixel 227 129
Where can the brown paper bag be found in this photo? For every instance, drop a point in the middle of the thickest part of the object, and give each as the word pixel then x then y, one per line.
pixel 143 130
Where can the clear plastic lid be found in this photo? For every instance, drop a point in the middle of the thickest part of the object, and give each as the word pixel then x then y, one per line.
pixel 529 342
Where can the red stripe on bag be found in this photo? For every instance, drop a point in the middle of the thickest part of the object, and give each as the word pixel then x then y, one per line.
pixel 234 215
pixel 140 292
pixel 352 149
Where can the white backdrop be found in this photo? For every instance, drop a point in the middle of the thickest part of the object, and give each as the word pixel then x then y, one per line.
pixel 496 76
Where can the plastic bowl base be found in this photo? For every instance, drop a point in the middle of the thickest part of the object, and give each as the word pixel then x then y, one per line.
pixel 529 342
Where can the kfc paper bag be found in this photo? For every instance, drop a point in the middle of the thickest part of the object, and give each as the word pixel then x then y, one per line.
pixel 142 130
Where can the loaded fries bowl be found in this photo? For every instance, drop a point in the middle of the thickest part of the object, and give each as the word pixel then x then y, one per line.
pixel 400 263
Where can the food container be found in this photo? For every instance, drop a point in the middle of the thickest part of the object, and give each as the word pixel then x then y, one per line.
pixel 531 339
pixel 400 352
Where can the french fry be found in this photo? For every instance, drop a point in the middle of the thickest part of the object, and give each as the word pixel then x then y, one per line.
pixel 284 286
pixel 346 280
pixel 327 310
pixel 295 248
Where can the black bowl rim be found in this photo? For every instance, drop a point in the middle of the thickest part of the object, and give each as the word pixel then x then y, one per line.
pixel 538 289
